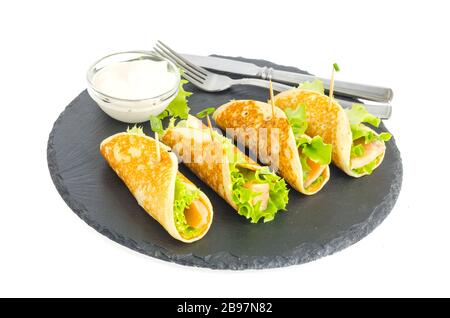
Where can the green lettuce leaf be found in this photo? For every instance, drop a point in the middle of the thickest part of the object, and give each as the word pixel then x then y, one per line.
pixel 171 123
pixel 384 136
pixel 316 150
pixel 278 193
pixel 297 120
pixel 319 180
pixel 178 107
pixel 368 168
pixel 205 112
pixel 138 130
pixel 305 166
pixel 183 199
pixel 358 114
pixel 336 67
pixel 156 124
pixel 360 131
pixel 316 86
pixel 357 151
pixel 242 197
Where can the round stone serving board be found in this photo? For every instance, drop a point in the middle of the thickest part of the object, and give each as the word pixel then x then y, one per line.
pixel 345 211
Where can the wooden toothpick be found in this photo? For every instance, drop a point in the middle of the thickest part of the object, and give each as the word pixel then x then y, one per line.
pixel 158 153
pixel 272 101
pixel 331 86
pixel 335 69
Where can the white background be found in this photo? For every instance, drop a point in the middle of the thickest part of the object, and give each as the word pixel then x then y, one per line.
pixel 46 47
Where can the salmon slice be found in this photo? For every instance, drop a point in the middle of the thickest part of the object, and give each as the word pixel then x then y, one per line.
pixel 262 188
pixel 196 214
pixel 316 171
pixel 371 152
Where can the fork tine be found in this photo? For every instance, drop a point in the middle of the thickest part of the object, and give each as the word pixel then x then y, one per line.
pixel 164 55
pixel 193 76
pixel 196 67
pixel 185 70
pixel 191 79
pixel 177 61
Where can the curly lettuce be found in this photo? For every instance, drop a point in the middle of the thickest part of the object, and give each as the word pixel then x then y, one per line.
pixel 305 167
pixel 183 199
pixel 316 86
pixel 361 135
pixel 137 130
pixel 178 107
pixel 156 124
pixel 314 149
pixel 297 119
pixel 357 151
pixel 242 196
pixel 357 115
pixel 316 182
pixel 278 193
pixel 368 168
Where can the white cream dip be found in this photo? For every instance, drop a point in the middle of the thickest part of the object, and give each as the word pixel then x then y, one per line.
pixel 135 79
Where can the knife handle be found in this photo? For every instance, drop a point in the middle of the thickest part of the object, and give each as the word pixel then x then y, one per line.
pixel 369 92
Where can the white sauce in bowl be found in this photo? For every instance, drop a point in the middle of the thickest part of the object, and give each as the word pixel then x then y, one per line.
pixel 135 79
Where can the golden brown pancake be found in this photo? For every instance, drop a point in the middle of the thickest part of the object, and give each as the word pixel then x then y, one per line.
pixel 248 117
pixel 214 161
pixel 328 120
pixel 134 158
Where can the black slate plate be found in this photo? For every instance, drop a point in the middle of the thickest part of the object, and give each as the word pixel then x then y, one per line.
pixel 345 211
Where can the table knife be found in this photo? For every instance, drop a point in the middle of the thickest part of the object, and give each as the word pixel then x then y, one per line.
pixel 369 92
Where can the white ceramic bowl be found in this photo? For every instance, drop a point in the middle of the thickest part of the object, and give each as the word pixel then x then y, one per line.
pixel 131 110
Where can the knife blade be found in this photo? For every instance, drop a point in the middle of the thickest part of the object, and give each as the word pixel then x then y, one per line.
pixel 369 92
pixel 225 65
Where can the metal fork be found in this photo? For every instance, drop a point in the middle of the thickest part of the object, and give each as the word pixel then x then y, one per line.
pixel 212 82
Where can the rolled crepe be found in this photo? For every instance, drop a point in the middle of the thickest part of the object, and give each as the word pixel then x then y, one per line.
pixel 253 123
pixel 170 198
pixel 254 191
pixel 330 121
